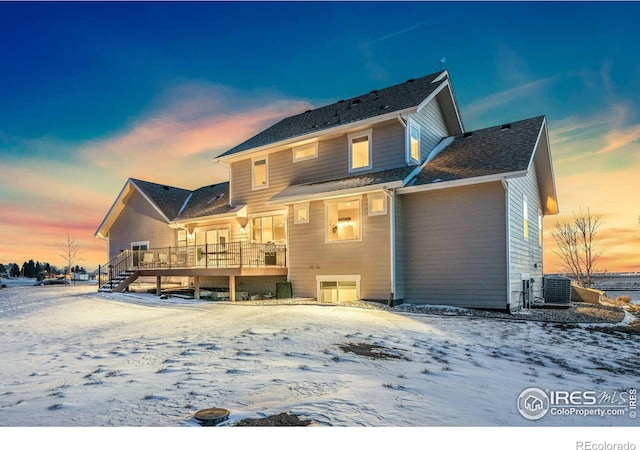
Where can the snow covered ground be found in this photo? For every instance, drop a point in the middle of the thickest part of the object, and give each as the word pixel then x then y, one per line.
pixel 72 357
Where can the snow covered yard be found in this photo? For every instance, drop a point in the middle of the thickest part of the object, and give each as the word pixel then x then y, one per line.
pixel 73 357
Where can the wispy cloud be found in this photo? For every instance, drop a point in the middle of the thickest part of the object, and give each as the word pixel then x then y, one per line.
pixel 174 142
pixel 516 93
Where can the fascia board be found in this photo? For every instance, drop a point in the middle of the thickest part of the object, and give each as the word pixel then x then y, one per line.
pixel 151 202
pixel 285 144
pixel 100 232
pixel 463 182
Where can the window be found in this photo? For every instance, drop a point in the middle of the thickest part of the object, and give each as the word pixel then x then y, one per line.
pixel 268 229
pixel 303 152
pixel 540 228
pixel 338 288
pixel 414 144
pixel 182 238
pixel 138 250
pixel 377 205
pixel 259 173
pixel 343 220
pixel 525 216
pixel 301 213
pixel 360 150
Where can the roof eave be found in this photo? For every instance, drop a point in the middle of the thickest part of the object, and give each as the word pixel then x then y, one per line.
pixel 461 182
pixel 333 194
pixel 237 211
pixel 311 137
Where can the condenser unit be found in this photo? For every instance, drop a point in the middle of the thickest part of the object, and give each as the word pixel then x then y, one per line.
pixel 557 289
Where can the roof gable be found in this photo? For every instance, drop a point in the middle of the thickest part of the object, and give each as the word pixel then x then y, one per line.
pixel 399 97
pixel 168 200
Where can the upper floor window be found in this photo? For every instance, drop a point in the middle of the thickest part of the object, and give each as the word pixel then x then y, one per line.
pixel 343 220
pixel 360 150
pixel 259 173
pixel 414 144
pixel 303 152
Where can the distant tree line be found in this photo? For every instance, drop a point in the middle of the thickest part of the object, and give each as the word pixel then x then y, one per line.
pixel 38 270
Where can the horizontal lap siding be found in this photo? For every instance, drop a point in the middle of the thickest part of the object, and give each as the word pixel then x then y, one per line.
pixel 332 163
pixel 525 253
pixel 432 127
pixel 310 256
pixel 455 247
pixel 139 221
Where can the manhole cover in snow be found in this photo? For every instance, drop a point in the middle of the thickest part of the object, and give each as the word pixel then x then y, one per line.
pixel 211 416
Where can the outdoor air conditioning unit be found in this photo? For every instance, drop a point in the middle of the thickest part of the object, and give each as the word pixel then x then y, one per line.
pixel 557 289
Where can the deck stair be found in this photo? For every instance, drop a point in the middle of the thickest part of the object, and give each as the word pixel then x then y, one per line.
pixel 118 275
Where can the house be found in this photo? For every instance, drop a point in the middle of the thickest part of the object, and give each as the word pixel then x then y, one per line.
pixel 384 197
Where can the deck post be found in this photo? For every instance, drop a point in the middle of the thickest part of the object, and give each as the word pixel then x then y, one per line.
pixel 232 288
pixel 196 287
pixel 158 285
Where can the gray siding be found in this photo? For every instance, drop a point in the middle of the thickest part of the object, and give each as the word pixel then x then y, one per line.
pixel 332 162
pixel 432 127
pixel 310 256
pixel 139 221
pixel 525 254
pixel 455 246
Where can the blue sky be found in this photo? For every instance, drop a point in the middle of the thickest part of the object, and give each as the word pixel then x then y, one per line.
pixel 93 93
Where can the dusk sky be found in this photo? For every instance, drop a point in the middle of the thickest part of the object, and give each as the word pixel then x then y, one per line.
pixel 94 93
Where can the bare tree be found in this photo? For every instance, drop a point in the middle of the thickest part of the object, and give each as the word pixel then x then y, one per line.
pixel 576 241
pixel 71 253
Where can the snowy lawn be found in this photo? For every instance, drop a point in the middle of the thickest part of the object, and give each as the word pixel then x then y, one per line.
pixel 73 357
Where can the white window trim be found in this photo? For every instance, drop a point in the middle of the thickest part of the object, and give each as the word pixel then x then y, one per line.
pixel 138 244
pixel 371 198
pixel 358 134
pixel 326 219
pixel 266 162
pixel 410 158
pixel 525 217
pixel 540 227
pixel 313 145
pixel 296 208
pixel 338 278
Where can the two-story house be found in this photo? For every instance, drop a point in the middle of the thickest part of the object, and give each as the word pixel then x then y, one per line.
pixel 384 196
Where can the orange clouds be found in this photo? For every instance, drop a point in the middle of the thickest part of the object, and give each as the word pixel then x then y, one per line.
pixel 42 199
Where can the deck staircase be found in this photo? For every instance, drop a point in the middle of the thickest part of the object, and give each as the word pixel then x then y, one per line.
pixel 118 274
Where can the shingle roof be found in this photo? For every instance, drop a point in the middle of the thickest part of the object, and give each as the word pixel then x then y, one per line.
pixel 490 151
pixel 352 182
pixel 395 98
pixel 180 204
pixel 168 199
pixel 207 201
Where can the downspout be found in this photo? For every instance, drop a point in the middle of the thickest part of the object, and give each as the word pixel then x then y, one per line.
pixel 391 193
pixel 505 184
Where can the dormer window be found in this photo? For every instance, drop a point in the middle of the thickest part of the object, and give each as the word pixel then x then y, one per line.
pixel 413 144
pixel 259 173
pixel 360 151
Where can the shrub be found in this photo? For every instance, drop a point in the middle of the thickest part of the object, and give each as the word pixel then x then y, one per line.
pixel 623 299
